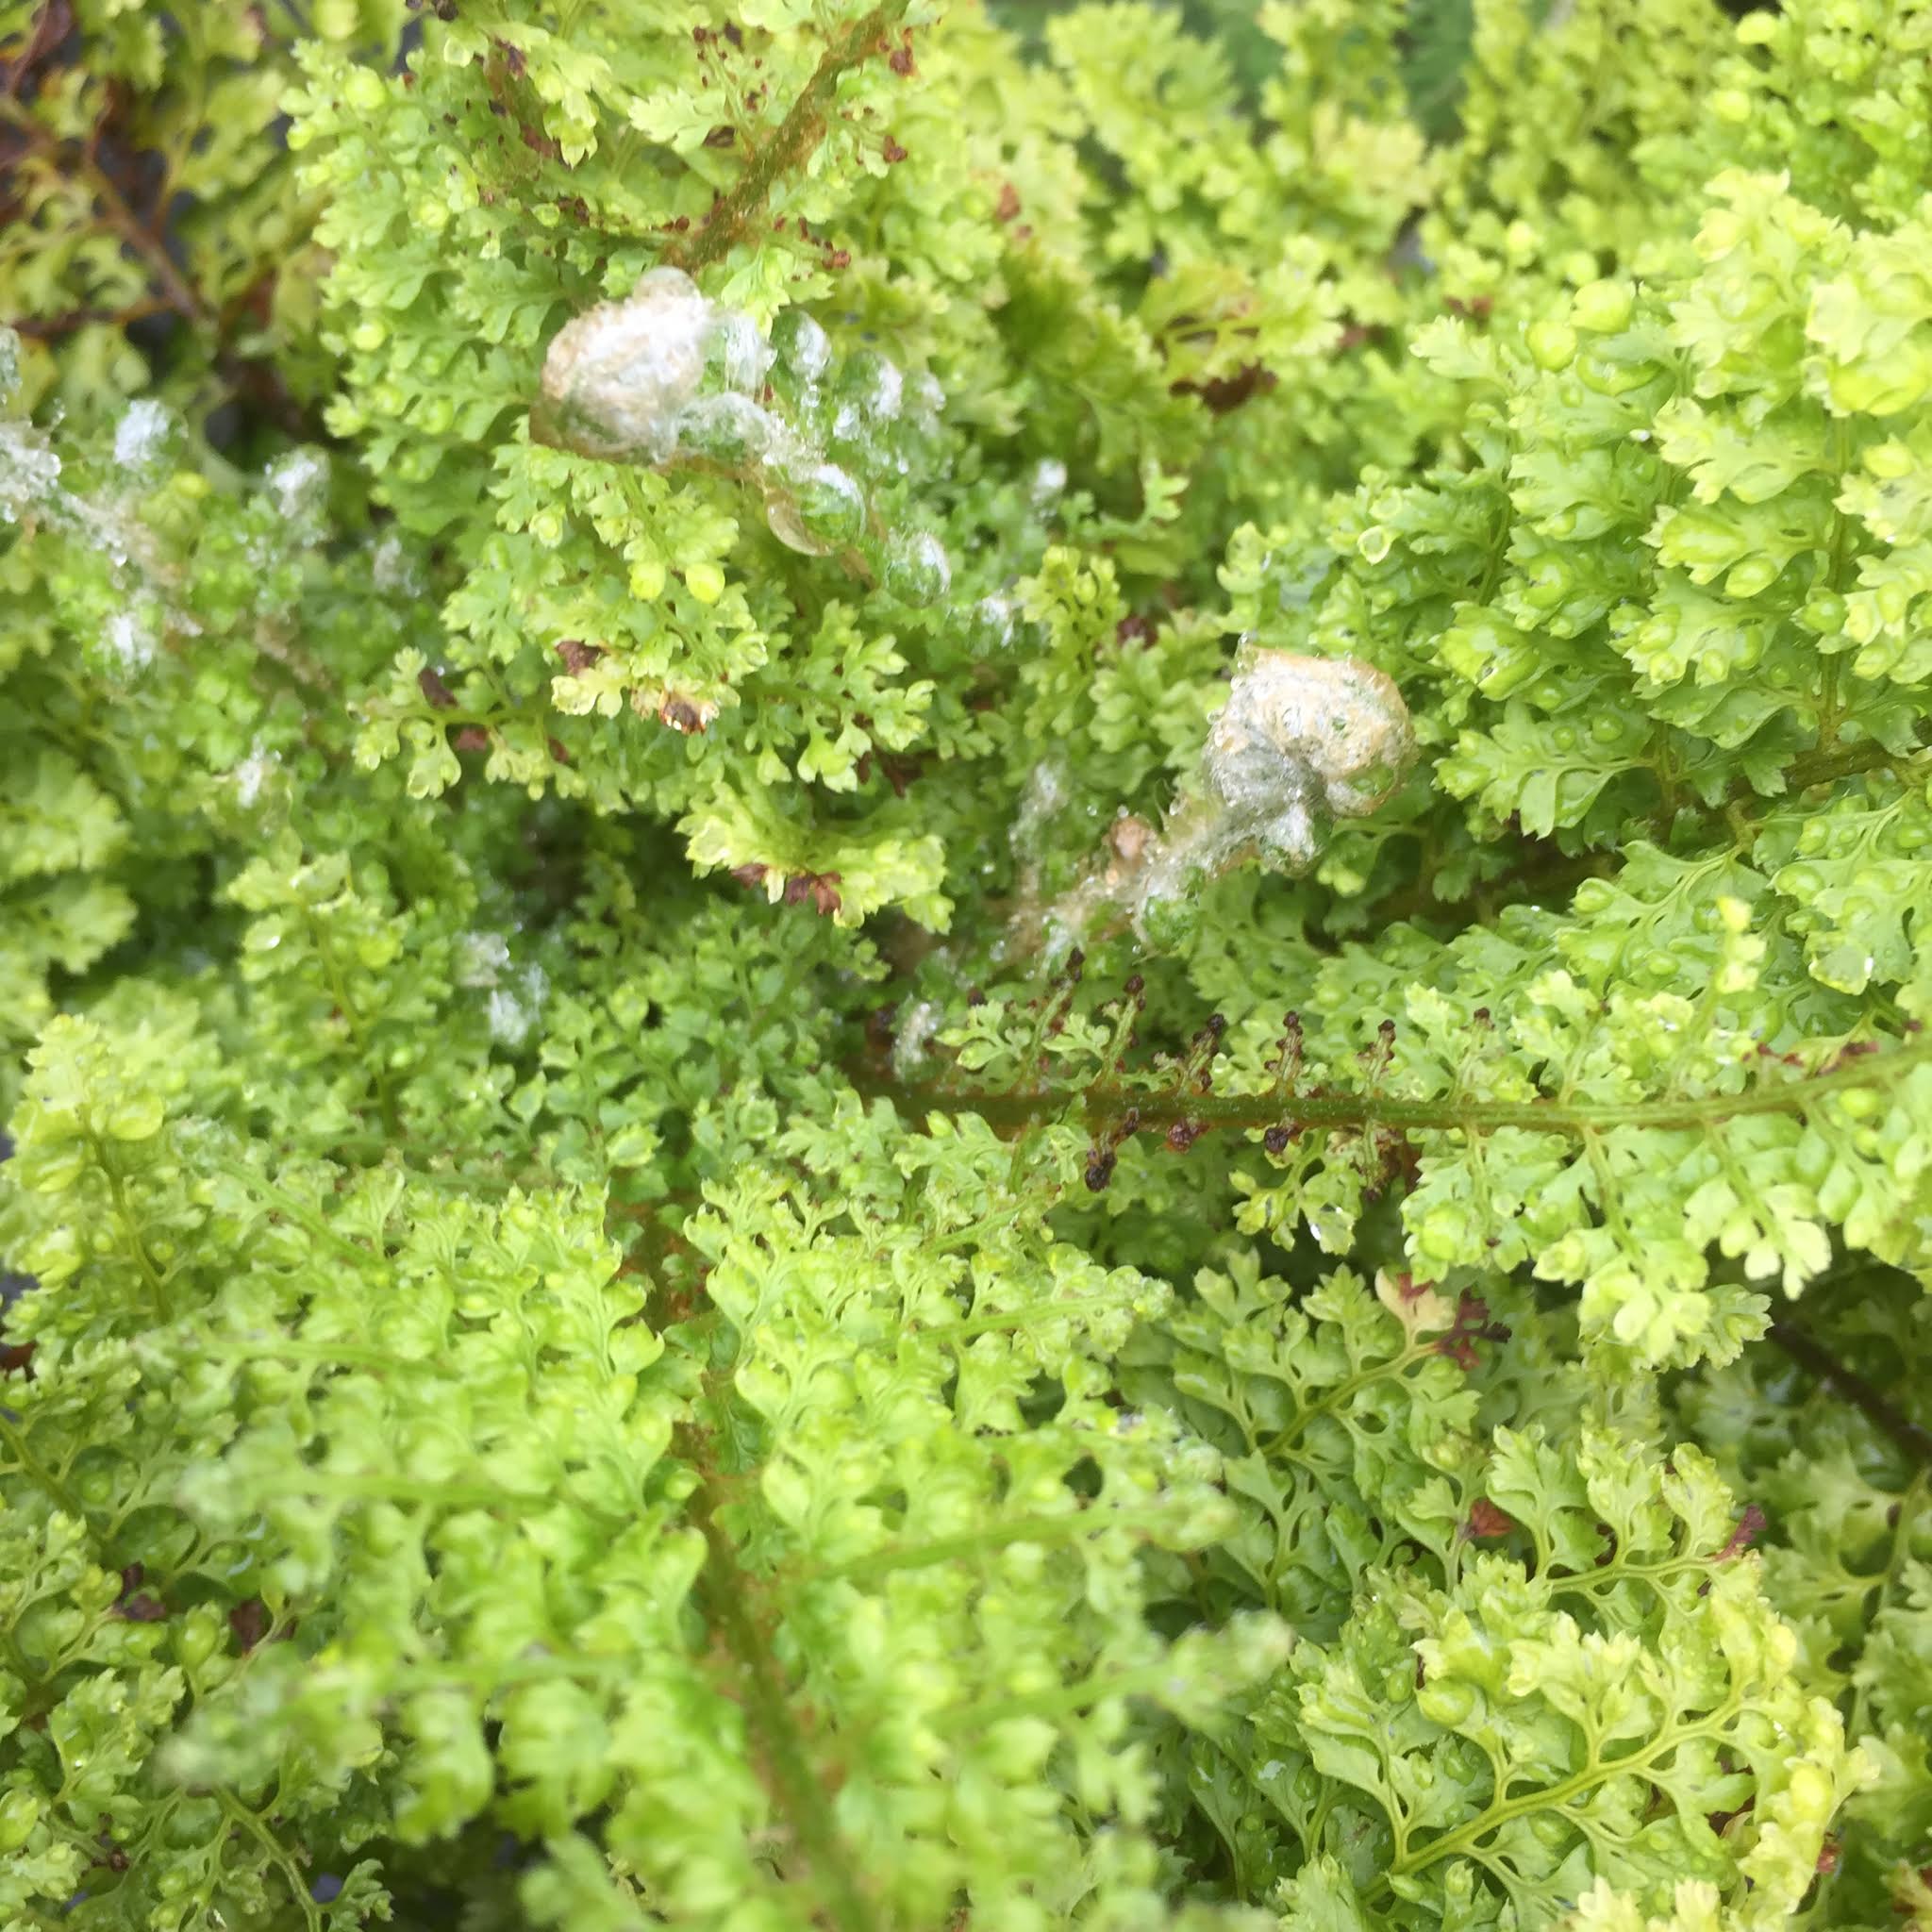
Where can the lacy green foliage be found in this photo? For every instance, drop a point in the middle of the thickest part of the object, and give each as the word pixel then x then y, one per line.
pixel 604 1326
pixel 1475 1739
pixel 1846 1490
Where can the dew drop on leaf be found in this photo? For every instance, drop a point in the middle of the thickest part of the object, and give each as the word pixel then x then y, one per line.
pixel 918 570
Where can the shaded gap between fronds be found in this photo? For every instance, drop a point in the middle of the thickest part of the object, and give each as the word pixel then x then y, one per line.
pixel 1843 1381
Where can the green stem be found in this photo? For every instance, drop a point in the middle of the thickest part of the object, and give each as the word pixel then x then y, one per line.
pixel 117 1191
pixel 1828 704
pixel 242 1350
pixel 306 1218
pixel 353 1026
pixel 1025 1315
pixel 1556 1797
pixel 238 1813
pixel 1396 1366
pixel 1589 1582
pixel 1063 1700
pixel 799 1790
pixel 1069 1526
pixel 37 1471
pixel 1102 1104
pixel 489 1676
pixel 323 1482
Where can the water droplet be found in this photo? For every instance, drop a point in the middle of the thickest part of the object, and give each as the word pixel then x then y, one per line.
pixel 918 570
pixel 738 356
pixel 142 434
pixel 726 429
pixel 816 509
pixel 914 1035
pixel 252 775
pixel 511 1018
pixel 392 568
pixel 874 384
pixel 992 623
pixel 298 482
pixel 482 957
pixel 619 375
pixel 29 471
pixel 129 641
pixel 803 346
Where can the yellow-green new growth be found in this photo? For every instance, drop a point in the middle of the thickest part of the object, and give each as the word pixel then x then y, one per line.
pixel 591 1338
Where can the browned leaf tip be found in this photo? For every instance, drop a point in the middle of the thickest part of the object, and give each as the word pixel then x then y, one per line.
pixel 1749 1524
pixel 578 656
pixel 1486 1520
pixel 435 692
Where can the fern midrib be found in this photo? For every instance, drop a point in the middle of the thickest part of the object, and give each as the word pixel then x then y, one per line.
pixel 790 144
pixel 1102 1106
pixel 796 1787
pixel 1553 1797
pixel 1067 1526
pixel 1331 1404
